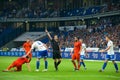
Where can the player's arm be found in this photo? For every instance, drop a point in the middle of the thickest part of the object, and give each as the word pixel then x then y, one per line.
pixel 28 53
pixel 45 46
pixel 60 49
pixel 30 50
pixel 48 34
pixel 86 54
pixel 80 44
pixel 71 52
pixel 104 50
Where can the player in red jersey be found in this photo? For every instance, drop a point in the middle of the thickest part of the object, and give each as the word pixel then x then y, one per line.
pixel 17 64
pixel 27 47
pixel 76 54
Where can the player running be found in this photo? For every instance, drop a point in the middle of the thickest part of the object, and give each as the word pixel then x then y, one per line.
pixel 76 54
pixel 56 50
pixel 83 54
pixel 110 54
pixel 42 53
pixel 17 64
pixel 27 47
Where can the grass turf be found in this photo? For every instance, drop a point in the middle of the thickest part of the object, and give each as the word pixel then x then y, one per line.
pixel 65 71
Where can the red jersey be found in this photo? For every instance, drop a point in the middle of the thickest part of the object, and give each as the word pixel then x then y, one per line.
pixel 27 46
pixel 21 61
pixel 77 46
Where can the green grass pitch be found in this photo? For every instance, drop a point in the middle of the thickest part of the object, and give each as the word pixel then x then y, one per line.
pixel 65 71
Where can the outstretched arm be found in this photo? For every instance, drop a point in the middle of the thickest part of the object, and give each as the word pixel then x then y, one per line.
pixel 48 34
pixel 103 50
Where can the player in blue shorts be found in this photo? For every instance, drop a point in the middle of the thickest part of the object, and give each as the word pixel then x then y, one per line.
pixel 83 54
pixel 110 54
pixel 42 53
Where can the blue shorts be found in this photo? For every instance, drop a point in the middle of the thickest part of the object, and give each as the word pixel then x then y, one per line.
pixel 110 57
pixel 42 54
pixel 82 57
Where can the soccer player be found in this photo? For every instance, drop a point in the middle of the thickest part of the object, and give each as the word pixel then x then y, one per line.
pixel 110 54
pixel 27 47
pixel 83 54
pixel 42 53
pixel 76 54
pixel 56 49
pixel 17 64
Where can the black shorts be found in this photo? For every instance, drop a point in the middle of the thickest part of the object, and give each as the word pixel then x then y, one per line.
pixel 56 55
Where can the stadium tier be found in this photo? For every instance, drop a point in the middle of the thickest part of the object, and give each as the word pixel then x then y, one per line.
pixel 35 15
pixel 67 39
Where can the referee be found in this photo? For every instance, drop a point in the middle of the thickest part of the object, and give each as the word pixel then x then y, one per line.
pixel 56 49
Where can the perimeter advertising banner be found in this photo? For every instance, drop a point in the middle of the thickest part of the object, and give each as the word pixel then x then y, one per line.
pixel 65 54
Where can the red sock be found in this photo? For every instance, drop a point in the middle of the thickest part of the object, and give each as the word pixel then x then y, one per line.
pixel 78 66
pixel 74 65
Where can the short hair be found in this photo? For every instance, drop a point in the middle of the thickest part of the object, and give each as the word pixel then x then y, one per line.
pixel 108 35
pixel 77 37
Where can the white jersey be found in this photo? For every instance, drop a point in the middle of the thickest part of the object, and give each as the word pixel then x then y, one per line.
pixel 83 49
pixel 39 46
pixel 111 50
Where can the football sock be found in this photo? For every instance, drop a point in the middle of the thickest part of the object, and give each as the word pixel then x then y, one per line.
pixel 74 64
pixel 104 65
pixel 37 64
pixel 83 64
pixel 116 66
pixel 55 65
pixel 78 66
pixel 46 64
pixel 80 63
pixel 58 63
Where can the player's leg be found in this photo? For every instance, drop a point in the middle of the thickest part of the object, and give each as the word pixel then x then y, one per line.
pixel 58 62
pixel 82 61
pixel 28 64
pixel 105 63
pixel 78 61
pixel 55 64
pixel 46 65
pixel 37 64
pixel 55 60
pixel 73 61
pixel 19 68
pixel 115 64
pixel 45 55
pixel 39 55
pixel 10 66
pixel 59 59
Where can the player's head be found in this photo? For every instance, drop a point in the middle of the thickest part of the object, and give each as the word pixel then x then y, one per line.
pixel 76 38
pixel 107 37
pixel 31 41
pixel 55 37
pixel 28 40
pixel 81 40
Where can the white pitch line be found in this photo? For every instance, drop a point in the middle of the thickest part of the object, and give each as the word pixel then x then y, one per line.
pixel 70 76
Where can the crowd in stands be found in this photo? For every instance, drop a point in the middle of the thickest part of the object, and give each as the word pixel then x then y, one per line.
pixel 93 36
pixel 14 9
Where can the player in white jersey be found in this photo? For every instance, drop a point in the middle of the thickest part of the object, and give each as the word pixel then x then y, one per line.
pixel 110 54
pixel 83 54
pixel 42 53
